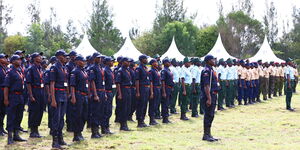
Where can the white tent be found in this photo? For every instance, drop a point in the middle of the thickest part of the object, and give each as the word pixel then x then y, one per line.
pixel 173 52
pixel 128 50
pixel 265 53
pixel 219 51
pixel 85 48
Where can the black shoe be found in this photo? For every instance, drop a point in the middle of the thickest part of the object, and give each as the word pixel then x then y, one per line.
pixel 157 117
pixel 95 133
pixel 142 124
pixel 240 103
pixel 76 137
pixel 17 137
pixel 258 100
pixel 209 133
pixel 34 133
pixel 55 143
pixel 81 138
pixel 290 109
pixel 153 122
pixel 124 127
pixel 130 119
pixel 10 138
pixel 61 140
pixel 22 130
pixel 183 117
pixel 195 115
pixel 3 131
pixel 166 120
pixel 206 137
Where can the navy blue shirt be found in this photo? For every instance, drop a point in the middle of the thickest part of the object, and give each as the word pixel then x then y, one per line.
pixel 123 77
pixel 14 80
pixel 109 78
pixel 79 79
pixel 3 72
pixel 142 75
pixel 34 75
pixel 46 77
pixel 208 74
pixel 154 77
pixel 96 73
pixel 59 74
pixel 70 66
pixel 132 74
pixel 167 76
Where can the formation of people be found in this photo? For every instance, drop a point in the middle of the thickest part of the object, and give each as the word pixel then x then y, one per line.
pixel 83 91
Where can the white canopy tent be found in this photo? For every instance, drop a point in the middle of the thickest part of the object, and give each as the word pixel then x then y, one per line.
pixel 265 53
pixel 219 51
pixel 85 48
pixel 173 52
pixel 128 50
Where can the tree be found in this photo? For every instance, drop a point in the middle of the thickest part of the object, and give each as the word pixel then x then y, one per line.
pixel 206 39
pixel 104 36
pixel 34 11
pixel 72 35
pixel 13 43
pixel 5 19
pixel 270 22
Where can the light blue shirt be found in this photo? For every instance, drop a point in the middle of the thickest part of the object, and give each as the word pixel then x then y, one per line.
pixel 196 74
pixel 223 71
pixel 186 74
pixel 175 73
pixel 231 73
pixel 290 71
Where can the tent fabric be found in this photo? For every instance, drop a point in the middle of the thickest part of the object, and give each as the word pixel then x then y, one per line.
pixel 128 50
pixel 85 48
pixel 265 53
pixel 219 51
pixel 173 52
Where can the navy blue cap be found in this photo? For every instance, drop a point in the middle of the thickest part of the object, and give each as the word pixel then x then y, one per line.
pixel 73 53
pixel 255 64
pixel 247 64
pixel 43 62
pixel 79 58
pixel 88 57
pixel 61 52
pixel 130 60
pixel 119 58
pixel 125 59
pixel 208 57
pixel 34 55
pixel 107 59
pixel 18 52
pixel 52 59
pixel 143 57
pixel 165 60
pixel 96 55
pixel 242 61
pixel 173 60
pixel 14 57
pixel 152 61
pixel 3 56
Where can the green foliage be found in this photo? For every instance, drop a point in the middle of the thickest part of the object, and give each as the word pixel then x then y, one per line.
pixel 104 36
pixel 13 43
pixel 206 39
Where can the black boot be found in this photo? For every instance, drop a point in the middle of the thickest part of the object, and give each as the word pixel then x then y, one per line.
pixel 141 124
pixel 107 131
pixel 61 140
pixel 153 121
pixel 55 143
pixel 17 137
pixel 183 117
pixel 34 133
pixel 95 133
pixel 209 133
pixel 240 102
pixel 124 126
pixel 206 136
pixel 22 130
pixel 10 138
pixel 2 131
pixel 80 136
pixel 130 119
pixel 103 130
pixel 76 137
pixel 166 120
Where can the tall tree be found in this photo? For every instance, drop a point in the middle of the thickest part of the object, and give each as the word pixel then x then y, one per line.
pixel 72 34
pixel 34 11
pixel 270 22
pixel 104 36
pixel 5 19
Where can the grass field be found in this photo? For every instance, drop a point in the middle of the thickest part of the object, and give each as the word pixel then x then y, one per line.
pixel 261 126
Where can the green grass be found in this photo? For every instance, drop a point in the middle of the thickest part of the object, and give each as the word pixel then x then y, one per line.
pixel 261 126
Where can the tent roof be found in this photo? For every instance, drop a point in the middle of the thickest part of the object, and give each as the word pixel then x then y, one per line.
pixel 85 48
pixel 173 52
pixel 128 50
pixel 219 51
pixel 265 53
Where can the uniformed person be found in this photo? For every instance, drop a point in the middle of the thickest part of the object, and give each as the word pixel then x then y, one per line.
pixel 296 77
pixel 265 86
pixel 124 83
pixel 248 89
pixel 97 81
pixel 261 78
pixel 3 67
pixel 241 81
pixel 59 95
pixel 186 81
pixel 167 80
pixel 35 86
pixel 155 91
pixel 290 78
pixel 271 79
pixel 79 97
pixel 176 77
pixel 281 80
pixel 116 69
pixel 13 99
pixel 256 82
pixel 196 75
pixel 133 89
pixel 222 74
pixel 109 82
pixel 142 90
pixel 209 88
pixel 276 79
pixel 230 88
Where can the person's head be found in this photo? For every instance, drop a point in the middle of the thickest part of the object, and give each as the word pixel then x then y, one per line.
pixel 44 64
pixel 80 61
pixel 247 65
pixel 186 62
pixel 209 60
pixel 108 61
pixel 174 62
pixel 73 55
pixel 282 64
pixel 125 62
pixel 61 56
pixel 97 58
pixel 52 59
pixel 255 65
pixel 266 64
pixel 157 57
pixel 229 62
pixel 20 53
pixel 166 62
pixel 3 59
pixel 36 58
pixel 196 62
pixel 143 59
pixel 15 60
pixel 259 62
pixel 154 63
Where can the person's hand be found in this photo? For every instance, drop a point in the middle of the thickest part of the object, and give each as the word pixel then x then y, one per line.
pixel 6 102
pixel 151 96
pixel 208 101
pixel 184 93
pixel 240 85
pixel 53 103
pixel 73 100
pixel 119 96
pixel 164 95
pixel 137 95
pixel 96 98
pixel 32 99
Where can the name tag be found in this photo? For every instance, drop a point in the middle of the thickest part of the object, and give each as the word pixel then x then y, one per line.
pixel 103 83
pixel 87 85
pixel 147 78
pixel 23 86
pixel 218 84
pixel 114 86
pixel 42 85
pixel 65 84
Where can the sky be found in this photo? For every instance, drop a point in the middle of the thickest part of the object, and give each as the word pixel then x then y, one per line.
pixel 133 13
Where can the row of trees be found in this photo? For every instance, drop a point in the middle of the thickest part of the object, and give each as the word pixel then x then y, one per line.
pixel 241 33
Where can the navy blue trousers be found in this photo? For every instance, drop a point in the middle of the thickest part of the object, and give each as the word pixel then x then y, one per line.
pixel 124 104
pixel 107 112
pixel 78 112
pixel 14 112
pixel 36 109
pixel 154 103
pixel 59 112
pixel 2 109
pixel 133 102
pixel 97 109
pixel 165 102
pixel 142 103
pixel 209 112
pixel 241 89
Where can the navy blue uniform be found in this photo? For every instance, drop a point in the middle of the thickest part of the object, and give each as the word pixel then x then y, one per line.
pixel 14 80
pixel 78 111
pixel 59 75
pixel 124 79
pixel 115 71
pixel 142 76
pixel 70 66
pixel 46 79
pixel 109 81
pixel 133 92
pixel 209 77
pixel 3 71
pixel 96 74
pixel 34 77
pixel 167 77
pixel 154 77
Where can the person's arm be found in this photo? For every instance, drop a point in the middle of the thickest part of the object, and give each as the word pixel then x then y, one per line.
pixel 73 98
pixel 52 92
pixel 119 91
pixel 207 93
pixel 183 87
pixel 6 102
pixel 29 88
pixel 47 88
pixel 137 84
pixel 94 90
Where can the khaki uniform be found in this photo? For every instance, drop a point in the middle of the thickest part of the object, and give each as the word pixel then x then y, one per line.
pixel 276 80
pixel 281 80
pixel 272 72
pixel 265 82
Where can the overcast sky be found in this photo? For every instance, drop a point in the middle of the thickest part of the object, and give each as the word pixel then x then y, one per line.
pixel 129 13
